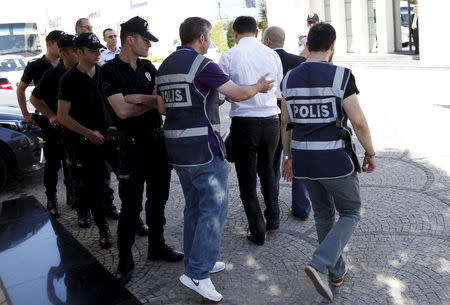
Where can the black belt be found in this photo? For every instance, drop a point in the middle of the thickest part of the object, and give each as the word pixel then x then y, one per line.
pixel 255 118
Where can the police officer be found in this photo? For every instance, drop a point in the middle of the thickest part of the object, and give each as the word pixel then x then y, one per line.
pixel 45 99
pixel 128 83
pixel 34 71
pixel 189 84
pixel 320 98
pixel 81 109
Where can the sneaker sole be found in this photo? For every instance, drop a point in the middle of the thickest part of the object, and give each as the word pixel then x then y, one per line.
pixel 320 286
pixel 185 281
pixel 217 270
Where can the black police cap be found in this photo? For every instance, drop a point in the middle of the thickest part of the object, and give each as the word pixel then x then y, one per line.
pixel 67 41
pixel 312 17
pixel 88 40
pixel 139 26
pixel 54 35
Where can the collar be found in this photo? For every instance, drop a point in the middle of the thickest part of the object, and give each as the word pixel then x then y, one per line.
pixel 118 60
pixel 186 48
pixel 275 49
pixel 247 40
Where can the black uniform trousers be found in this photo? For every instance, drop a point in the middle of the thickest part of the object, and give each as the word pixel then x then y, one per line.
pixel 55 156
pixel 142 159
pixel 254 141
pixel 89 169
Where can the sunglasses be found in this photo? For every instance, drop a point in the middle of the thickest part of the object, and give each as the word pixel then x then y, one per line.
pixel 89 27
pixel 111 36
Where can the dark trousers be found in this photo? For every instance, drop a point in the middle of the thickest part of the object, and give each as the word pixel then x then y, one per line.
pixel 88 165
pixel 142 160
pixel 55 156
pixel 415 36
pixel 254 142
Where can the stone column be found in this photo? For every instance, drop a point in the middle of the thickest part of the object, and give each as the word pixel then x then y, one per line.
pixel 337 12
pixel 385 26
pixel 360 27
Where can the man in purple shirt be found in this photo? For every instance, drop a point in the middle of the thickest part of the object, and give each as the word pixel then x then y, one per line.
pixel 189 84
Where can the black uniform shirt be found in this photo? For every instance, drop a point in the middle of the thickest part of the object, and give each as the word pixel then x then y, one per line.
pixel 35 69
pixel 351 87
pixel 47 88
pixel 83 92
pixel 120 77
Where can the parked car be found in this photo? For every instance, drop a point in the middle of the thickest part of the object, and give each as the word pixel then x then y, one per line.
pixel 20 145
pixel 11 70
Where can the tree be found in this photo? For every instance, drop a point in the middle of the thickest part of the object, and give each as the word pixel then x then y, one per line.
pixel 230 36
pixel 218 36
pixel 263 22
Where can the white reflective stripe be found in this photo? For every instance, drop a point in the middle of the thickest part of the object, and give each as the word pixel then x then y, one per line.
pixel 284 84
pixel 338 78
pixel 318 145
pixel 318 91
pixel 195 65
pixel 173 103
pixel 216 127
pixel 184 133
pixel 172 78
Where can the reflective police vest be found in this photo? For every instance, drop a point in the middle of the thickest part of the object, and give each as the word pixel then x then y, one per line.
pixel 190 114
pixel 314 92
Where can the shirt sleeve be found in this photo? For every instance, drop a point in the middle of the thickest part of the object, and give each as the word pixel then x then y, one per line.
pixel 42 88
pixel 27 75
pixel 109 82
pixel 279 77
pixel 212 76
pixel 224 66
pixel 66 91
pixel 351 87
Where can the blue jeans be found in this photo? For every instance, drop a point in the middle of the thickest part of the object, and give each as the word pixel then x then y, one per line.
pixel 206 194
pixel 301 202
pixel 327 196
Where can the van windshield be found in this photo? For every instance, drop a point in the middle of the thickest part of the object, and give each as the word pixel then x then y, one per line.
pixel 19 38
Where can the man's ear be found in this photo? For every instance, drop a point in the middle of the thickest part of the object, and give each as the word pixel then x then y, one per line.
pixel 256 33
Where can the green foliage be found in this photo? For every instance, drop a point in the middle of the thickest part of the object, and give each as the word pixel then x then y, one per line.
pixel 230 36
pixel 218 36
pixel 262 7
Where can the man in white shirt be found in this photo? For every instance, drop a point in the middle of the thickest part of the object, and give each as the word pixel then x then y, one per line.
pixel 255 125
pixel 111 50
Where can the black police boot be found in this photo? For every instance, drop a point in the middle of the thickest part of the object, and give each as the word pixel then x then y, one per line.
pixel 70 200
pixel 165 253
pixel 125 270
pixel 52 204
pixel 105 237
pixel 111 212
pixel 141 228
pixel 84 219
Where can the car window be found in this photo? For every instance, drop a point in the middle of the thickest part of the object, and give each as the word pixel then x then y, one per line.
pixel 9 64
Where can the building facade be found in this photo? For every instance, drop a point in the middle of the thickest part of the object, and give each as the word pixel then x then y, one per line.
pixel 368 26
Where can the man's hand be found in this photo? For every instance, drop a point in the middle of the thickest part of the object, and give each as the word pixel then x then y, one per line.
pixel 265 85
pixel 54 121
pixel 286 169
pixel 96 137
pixel 29 119
pixel 369 164
pixel 160 105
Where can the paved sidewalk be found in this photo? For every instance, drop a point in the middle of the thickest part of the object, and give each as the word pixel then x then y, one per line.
pixel 400 252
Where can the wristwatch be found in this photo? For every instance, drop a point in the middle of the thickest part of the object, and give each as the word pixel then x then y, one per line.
pixel 287 157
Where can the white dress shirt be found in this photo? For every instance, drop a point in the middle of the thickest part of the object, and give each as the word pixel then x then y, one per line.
pixel 247 62
pixel 107 55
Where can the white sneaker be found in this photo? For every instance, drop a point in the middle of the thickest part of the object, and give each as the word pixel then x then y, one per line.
pixel 218 266
pixel 321 286
pixel 203 287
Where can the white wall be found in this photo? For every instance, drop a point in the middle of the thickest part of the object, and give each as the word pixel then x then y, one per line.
pixel 433 26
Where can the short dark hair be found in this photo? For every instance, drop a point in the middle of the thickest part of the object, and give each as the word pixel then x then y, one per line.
pixel 106 30
pixel 79 21
pixel 124 35
pixel 321 36
pixel 245 24
pixel 192 28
